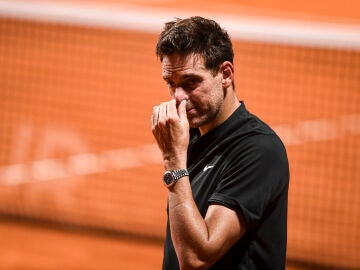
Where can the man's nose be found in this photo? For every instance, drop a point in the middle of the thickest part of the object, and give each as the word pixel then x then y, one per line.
pixel 180 94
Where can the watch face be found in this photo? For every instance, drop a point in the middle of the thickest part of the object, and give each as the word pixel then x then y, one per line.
pixel 168 178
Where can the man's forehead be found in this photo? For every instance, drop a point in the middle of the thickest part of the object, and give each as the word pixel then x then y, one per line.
pixel 182 63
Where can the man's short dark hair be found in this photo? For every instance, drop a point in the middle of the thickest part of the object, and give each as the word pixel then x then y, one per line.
pixel 196 35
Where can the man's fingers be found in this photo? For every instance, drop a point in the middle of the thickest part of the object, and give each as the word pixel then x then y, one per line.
pixel 162 114
pixel 182 110
pixel 166 111
pixel 155 116
pixel 171 109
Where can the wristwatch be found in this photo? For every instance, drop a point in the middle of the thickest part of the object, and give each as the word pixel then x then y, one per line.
pixel 171 177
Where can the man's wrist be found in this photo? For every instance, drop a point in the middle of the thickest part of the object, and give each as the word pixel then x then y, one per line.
pixel 171 165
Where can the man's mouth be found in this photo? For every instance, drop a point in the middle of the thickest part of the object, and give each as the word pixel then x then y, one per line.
pixel 189 110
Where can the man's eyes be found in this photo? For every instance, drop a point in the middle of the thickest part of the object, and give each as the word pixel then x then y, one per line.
pixel 192 81
pixel 171 84
pixel 189 84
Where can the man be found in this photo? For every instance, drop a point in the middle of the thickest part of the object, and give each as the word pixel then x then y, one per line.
pixel 226 171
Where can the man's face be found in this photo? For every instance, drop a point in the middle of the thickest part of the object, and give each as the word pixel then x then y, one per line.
pixel 187 78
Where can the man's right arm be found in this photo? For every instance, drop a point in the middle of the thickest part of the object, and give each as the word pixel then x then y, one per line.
pixel 199 242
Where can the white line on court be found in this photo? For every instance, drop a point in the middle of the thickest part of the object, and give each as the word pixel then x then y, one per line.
pixel 127 158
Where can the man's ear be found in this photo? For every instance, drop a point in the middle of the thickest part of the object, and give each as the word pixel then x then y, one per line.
pixel 227 71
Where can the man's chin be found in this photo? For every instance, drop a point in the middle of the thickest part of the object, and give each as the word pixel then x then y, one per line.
pixel 195 122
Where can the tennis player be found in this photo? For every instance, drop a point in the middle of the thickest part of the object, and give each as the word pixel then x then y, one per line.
pixel 226 171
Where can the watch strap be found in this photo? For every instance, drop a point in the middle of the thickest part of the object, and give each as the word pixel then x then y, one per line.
pixel 179 173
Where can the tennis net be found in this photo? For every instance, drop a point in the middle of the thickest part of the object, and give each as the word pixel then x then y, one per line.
pixel 76 147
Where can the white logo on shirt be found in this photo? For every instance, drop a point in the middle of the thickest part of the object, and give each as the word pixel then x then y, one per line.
pixel 208 167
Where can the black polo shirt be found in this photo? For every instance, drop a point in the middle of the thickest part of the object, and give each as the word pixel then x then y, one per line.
pixel 241 164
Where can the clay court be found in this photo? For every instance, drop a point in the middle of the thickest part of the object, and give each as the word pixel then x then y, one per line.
pixel 80 174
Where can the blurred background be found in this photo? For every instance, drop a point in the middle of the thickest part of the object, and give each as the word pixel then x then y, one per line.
pixel 80 174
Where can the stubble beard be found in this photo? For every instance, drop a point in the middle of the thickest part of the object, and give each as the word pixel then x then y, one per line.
pixel 200 120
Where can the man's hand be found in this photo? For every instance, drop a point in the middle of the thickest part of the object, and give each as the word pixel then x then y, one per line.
pixel 170 128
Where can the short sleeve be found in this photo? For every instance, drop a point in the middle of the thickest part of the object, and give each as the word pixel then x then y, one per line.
pixel 254 176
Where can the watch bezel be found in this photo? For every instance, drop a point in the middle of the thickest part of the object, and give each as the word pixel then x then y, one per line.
pixel 168 179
